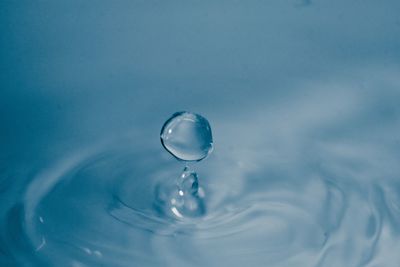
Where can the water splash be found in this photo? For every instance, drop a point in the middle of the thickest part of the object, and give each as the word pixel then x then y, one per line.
pixel 187 199
pixel 187 136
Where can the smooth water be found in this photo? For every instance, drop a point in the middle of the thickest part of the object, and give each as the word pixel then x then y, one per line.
pixel 303 97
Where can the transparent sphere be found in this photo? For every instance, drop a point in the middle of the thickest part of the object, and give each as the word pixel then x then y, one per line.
pixel 187 136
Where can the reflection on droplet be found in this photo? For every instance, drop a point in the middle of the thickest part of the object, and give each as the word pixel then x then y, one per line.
pixel 42 244
pixel 187 136
pixel 176 212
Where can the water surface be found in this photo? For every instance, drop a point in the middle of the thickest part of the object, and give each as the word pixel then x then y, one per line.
pixel 303 99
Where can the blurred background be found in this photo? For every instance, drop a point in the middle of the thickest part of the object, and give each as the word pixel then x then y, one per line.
pixel 77 71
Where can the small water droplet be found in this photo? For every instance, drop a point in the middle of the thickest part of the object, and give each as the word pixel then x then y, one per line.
pixel 187 136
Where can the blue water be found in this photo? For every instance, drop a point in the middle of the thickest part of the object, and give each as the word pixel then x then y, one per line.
pixel 303 99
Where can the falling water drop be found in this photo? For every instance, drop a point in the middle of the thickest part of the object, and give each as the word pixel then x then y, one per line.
pixel 187 136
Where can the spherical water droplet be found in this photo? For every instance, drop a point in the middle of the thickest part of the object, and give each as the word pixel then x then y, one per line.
pixel 187 136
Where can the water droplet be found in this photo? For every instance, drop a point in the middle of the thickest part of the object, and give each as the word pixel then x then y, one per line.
pixel 188 182
pixel 186 200
pixel 187 136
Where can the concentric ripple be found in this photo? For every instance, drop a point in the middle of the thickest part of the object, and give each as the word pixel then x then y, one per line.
pixel 101 207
